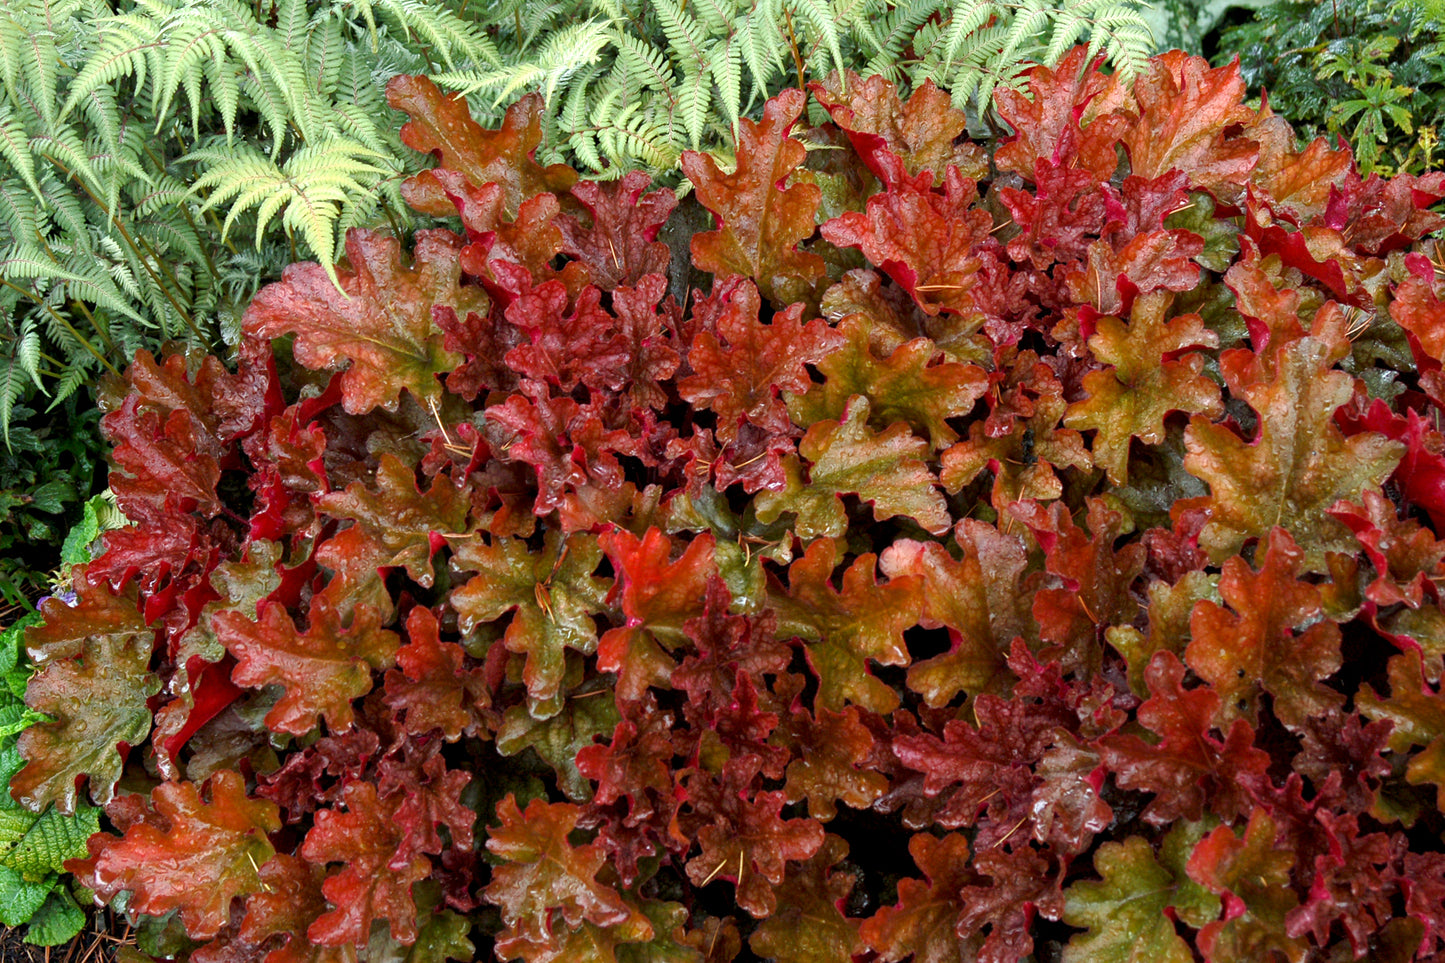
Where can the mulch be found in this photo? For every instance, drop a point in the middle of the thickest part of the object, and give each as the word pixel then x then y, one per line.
pixel 97 943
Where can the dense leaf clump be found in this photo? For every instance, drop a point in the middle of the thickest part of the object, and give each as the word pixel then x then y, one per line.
pixel 991 555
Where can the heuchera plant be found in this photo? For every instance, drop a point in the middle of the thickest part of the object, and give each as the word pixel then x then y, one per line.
pixel 996 554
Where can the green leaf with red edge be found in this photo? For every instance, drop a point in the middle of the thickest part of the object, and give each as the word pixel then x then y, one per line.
pixel 741 380
pixel 1129 914
pixel 1296 468
pixel 379 324
pixel 1151 374
pixel 923 923
pixel 323 669
pixel 759 225
pixel 1417 713
pixel 442 124
pixel 808 926
pixel 620 244
pixel 886 470
pixel 408 524
pixel 897 139
pixel 558 738
pixel 829 750
pixel 1170 609
pixel 1254 876
pixel 657 596
pixel 1276 640
pixel 432 689
pixel 913 384
pixel 980 599
pixel 98 702
pixel 843 629
pixel 1185 108
pixel 193 855
pixel 924 240
pixel 743 836
pixel 376 879
pixel 1189 767
pixel 544 883
pixel 551 594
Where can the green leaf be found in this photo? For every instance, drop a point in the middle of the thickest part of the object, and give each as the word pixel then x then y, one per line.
pixel 57 921
pixel 1124 913
pixel 19 899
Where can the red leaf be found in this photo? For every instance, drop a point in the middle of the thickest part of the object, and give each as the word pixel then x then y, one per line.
pixel 657 597
pixel 322 668
pixel 378 874
pixel 191 855
pixel 1278 642
pixel 1047 125
pixel 620 246
pixel 1254 876
pixel 743 836
pixel 760 225
pixel 1185 110
pixel 1188 767
pixel 924 921
pixel 441 124
pixel 899 140
pixel 380 324
pixel 742 381
pixel 432 689
pixel 924 240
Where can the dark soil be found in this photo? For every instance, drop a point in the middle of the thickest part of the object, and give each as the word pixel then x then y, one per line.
pixel 95 944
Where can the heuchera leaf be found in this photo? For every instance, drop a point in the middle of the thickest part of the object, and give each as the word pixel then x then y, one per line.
pixel 760 226
pixel 322 668
pixel 1129 914
pixel 1050 123
pixel 922 239
pixel 886 470
pixel 545 885
pixel 552 595
pixel 913 384
pixel 1298 465
pixel 442 124
pixel 743 836
pixel 1276 640
pixel 1418 714
pixel 1184 109
pixel 924 921
pixel 1188 765
pixel 844 628
pixel 431 688
pixel 809 927
pixel 376 880
pixel 191 855
pixel 830 749
pixel 742 381
pixel 657 596
pixel 379 324
pixel 897 139
pixel 620 246
pixel 1152 374
pixel 98 702
pixel 980 599
pixel 406 523
pixel 1253 876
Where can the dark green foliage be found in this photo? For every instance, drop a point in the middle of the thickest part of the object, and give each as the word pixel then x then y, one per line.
pixel 1371 71
pixel 54 463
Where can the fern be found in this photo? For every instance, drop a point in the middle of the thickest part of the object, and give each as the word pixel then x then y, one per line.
pixel 663 76
pixel 160 159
